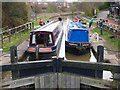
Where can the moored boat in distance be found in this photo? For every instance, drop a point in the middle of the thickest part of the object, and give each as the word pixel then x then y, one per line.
pixel 45 40
pixel 77 41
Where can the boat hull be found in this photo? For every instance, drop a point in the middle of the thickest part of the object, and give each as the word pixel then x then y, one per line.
pixel 77 49
pixel 41 56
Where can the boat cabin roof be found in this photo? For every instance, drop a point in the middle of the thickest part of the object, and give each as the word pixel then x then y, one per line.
pixel 48 27
pixel 77 26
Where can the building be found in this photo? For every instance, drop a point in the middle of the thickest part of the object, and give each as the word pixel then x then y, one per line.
pixel 115 8
pixel 65 4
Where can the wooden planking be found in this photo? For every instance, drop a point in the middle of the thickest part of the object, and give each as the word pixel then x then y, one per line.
pixel 25 65
pixel 72 82
pixel 37 82
pixel 18 83
pixel 91 65
pixel 67 64
pixel 60 80
pixel 50 81
pixel 42 83
pixel 68 82
pixel 47 81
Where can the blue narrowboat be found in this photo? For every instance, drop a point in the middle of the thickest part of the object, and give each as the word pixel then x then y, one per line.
pixel 45 40
pixel 77 41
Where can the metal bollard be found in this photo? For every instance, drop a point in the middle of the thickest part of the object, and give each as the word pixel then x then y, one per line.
pixel 13 53
pixel 36 52
pixel 14 59
pixel 100 53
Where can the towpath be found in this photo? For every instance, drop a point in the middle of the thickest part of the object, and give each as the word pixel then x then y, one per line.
pixel 112 58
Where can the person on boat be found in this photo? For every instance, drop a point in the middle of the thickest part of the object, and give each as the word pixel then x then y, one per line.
pixel 101 26
pixel 60 19
pixel 76 19
pixel 41 22
pixel 47 21
pixel 91 21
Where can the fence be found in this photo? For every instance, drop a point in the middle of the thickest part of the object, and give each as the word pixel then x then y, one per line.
pixel 13 31
pixel 87 73
pixel 113 29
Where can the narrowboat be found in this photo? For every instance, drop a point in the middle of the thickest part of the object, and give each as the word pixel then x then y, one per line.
pixel 77 38
pixel 45 40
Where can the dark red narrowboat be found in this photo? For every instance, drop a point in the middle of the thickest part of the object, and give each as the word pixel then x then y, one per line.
pixel 45 40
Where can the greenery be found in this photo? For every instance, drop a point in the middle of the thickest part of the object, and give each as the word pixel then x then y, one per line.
pixel 20 37
pixel 84 15
pixel 14 14
pixel 51 8
pixel 87 7
pixel 104 6
pixel 36 23
pixel 118 17
pixel 114 42
pixel 16 41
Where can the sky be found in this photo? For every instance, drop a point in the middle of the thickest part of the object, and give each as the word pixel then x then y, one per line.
pixel 65 0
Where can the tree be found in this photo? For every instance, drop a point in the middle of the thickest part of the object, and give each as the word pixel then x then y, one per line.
pixel 37 9
pixel 105 5
pixel 14 14
pixel 51 8
pixel 73 8
pixel 87 7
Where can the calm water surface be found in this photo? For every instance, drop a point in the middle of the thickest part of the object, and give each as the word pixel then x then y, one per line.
pixel 84 57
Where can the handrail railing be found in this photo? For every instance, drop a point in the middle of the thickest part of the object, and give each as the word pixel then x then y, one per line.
pixel 13 31
pixel 94 36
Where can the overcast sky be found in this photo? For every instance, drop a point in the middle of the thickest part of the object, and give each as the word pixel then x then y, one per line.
pixel 60 0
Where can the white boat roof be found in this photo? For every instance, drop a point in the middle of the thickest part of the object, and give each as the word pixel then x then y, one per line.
pixel 48 27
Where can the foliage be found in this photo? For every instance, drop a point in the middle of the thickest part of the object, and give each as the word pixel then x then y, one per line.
pixel 73 8
pixel 63 9
pixel 51 8
pixel 37 8
pixel 36 23
pixel 118 17
pixel 105 5
pixel 16 42
pixel 14 14
pixel 84 15
pixel 87 7
pixel 114 41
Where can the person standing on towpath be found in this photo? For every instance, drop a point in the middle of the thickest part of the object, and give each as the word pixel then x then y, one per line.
pixel 101 26
pixel 91 21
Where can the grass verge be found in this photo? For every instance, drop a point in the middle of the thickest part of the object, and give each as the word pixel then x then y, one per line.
pixel 36 22
pixel 20 37
pixel 83 15
pixel 113 41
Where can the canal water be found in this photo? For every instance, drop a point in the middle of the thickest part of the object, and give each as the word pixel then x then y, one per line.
pixel 85 57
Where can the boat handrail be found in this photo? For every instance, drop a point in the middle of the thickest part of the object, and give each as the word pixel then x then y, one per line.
pixel 94 36
pixel 46 25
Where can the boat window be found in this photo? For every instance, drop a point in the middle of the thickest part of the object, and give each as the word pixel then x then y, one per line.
pixel 40 38
pixel 50 39
pixel 33 39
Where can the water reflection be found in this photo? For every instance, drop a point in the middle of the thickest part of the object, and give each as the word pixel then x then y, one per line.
pixel 85 57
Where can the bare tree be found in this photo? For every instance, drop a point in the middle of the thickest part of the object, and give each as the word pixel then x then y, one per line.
pixel 51 8
pixel 87 7
pixel 37 9
pixel 73 8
